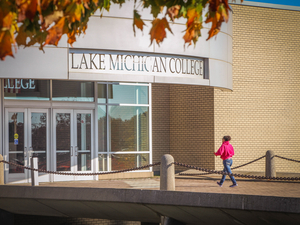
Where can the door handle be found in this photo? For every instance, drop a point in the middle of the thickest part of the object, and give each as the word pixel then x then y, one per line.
pixel 76 151
pixel 71 150
pixel 30 153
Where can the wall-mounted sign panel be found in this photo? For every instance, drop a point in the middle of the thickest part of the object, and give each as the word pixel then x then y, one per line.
pixel 139 67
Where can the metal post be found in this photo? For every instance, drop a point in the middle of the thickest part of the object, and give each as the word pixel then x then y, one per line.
pixel 1 171
pixel 167 173
pixel 167 183
pixel 34 174
pixel 270 164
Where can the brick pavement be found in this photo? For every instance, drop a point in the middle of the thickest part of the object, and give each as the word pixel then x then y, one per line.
pixel 194 184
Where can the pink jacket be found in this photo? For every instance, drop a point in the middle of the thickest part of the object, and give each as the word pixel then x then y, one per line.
pixel 225 151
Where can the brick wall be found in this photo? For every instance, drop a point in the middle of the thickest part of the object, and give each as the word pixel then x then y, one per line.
pixel 160 122
pixel 183 124
pixel 192 125
pixel 263 111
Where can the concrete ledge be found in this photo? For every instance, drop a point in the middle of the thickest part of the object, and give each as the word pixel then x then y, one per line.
pixel 125 175
pixel 172 198
pixel 192 208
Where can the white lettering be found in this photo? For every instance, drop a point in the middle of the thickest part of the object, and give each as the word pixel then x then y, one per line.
pixel 31 84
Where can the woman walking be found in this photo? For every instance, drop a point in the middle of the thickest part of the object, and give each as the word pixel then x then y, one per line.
pixel 226 152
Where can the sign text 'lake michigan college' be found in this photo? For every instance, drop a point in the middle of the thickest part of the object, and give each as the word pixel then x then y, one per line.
pixel 130 63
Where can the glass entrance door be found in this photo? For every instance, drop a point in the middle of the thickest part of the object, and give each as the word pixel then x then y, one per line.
pixel 26 136
pixel 72 143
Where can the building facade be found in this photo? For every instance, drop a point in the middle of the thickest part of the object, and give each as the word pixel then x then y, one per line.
pixel 113 102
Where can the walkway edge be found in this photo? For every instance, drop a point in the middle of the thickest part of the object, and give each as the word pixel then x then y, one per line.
pixel 152 197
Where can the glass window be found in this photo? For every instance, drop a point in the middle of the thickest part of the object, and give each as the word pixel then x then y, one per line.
pixel 125 161
pixel 129 94
pixel 84 141
pixel 102 162
pixel 39 138
pixel 72 91
pixel 16 141
pixel 102 131
pixel 26 89
pixel 129 128
pixel 102 92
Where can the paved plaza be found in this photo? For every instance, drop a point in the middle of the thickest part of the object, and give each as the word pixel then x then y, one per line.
pixel 203 184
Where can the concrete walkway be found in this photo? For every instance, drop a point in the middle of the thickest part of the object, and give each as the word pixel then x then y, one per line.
pixel 197 200
pixel 201 184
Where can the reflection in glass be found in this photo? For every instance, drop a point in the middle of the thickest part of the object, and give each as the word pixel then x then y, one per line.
pixel 16 127
pixel 26 89
pixel 102 162
pixel 72 91
pixel 84 142
pixel 84 161
pixel 39 137
pixel 17 158
pixel 125 161
pixel 38 131
pixel 16 140
pixel 63 161
pixel 41 160
pixel 84 130
pixel 101 93
pixel 102 133
pixel 63 141
pixel 129 127
pixel 129 94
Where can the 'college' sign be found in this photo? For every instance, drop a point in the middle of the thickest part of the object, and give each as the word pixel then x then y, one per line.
pixel 135 63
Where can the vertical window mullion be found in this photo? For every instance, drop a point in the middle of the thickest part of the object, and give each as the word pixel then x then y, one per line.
pixel 107 133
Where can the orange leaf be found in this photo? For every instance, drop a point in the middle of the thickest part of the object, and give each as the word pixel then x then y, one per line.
pixel 31 9
pixel 22 8
pixel 191 14
pixel 71 38
pixel 7 21
pixel 74 12
pixel 5 44
pixel 55 33
pixel 189 35
pixel 158 31
pixel 22 36
pixel 137 21
pixel 173 11
pixel 53 18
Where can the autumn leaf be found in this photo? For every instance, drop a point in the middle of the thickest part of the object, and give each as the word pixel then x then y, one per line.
pixel 191 14
pixel 45 21
pixel 73 12
pixel 218 13
pixel 173 11
pixel 71 38
pixel 156 9
pixel 158 30
pixel 21 38
pixel 48 20
pixel 5 44
pixel 31 9
pixel 137 21
pixel 55 33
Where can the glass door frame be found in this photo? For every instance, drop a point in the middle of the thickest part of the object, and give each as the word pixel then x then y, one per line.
pixel 26 176
pixel 73 144
pixel 43 177
pixel 84 111
pixel 16 177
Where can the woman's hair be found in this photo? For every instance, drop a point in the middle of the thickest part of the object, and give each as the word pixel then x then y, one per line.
pixel 227 138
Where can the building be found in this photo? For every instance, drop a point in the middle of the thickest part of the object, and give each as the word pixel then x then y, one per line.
pixel 113 102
